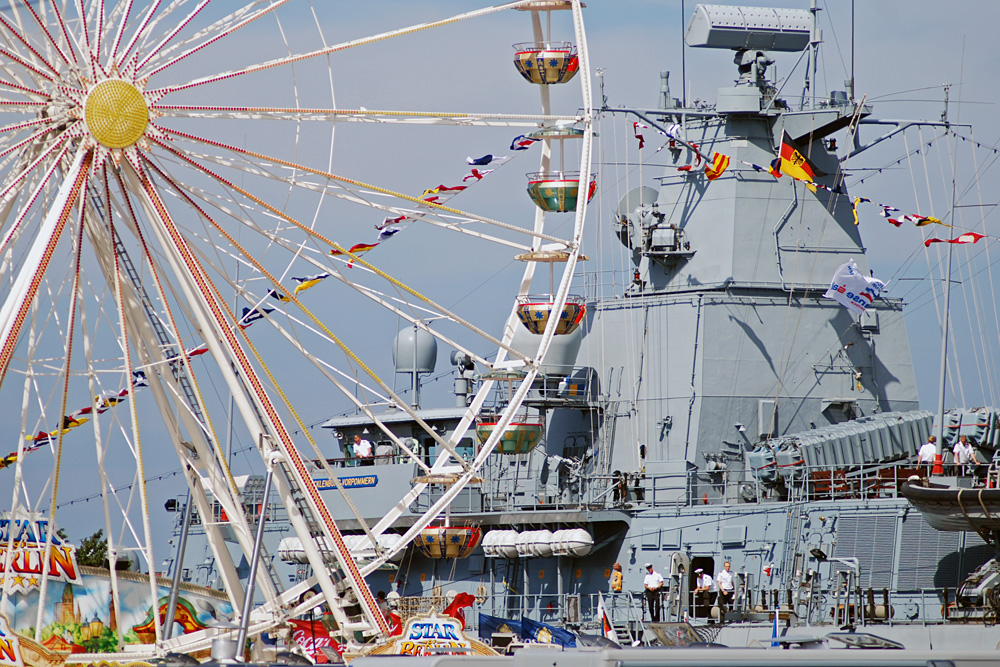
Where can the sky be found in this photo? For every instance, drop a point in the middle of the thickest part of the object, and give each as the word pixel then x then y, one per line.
pixel 905 52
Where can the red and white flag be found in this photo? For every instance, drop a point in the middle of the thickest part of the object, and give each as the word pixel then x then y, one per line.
pixel 968 237
pixel 635 131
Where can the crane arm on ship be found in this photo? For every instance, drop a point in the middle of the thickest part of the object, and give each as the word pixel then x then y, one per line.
pixel 899 126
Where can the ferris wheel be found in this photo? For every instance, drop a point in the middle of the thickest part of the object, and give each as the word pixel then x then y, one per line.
pixel 186 254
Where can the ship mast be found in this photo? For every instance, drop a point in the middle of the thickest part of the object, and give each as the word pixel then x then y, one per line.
pixel 938 469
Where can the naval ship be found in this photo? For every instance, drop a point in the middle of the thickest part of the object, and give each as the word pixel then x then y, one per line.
pixel 705 404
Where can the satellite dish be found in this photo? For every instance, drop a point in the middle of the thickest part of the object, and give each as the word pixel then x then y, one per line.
pixel 636 197
pixel 630 213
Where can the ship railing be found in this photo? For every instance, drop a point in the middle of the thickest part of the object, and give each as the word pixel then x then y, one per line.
pixel 601 284
pixel 385 457
pixel 628 613
pixel 522 488
pixel 809 483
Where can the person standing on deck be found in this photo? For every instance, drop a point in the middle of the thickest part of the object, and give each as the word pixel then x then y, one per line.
pixel 615 581
pixel 964 455
pixel 925 456
pixel 653 582
pixel 727 587
pixel 363 450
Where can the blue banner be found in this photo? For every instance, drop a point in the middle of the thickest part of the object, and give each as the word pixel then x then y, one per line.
pixel 490 624
pixel 545 633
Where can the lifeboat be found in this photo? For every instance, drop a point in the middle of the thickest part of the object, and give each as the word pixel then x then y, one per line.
pixel 534 312
pixel 518 438
pixel 290 548
pixel 546 63
pixel 534 544
pixel 510 544
pixel 500 544
pixel 558 191
pixel 447 541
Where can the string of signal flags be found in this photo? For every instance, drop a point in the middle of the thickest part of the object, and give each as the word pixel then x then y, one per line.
pixel 791 161
pixel 388 228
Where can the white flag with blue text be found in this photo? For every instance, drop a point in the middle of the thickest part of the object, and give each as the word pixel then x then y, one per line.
pixel 852 289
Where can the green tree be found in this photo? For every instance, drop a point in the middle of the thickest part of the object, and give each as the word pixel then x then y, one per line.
pixel 93 550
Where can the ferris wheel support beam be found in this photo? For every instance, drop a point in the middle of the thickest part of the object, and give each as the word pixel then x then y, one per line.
pixel 175 415
pixel 260 416
pixel 25 287
pixel 200 449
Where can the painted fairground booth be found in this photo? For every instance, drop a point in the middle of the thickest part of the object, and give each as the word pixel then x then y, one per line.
pixel 51 607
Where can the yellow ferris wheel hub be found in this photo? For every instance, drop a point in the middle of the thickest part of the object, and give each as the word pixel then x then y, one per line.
pixel 116 113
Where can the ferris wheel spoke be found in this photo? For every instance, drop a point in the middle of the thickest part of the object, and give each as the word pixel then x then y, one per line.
pixel 201 437
pixel 11 333
pixel 85 31
pixel 9 55
pixel 98 8
pixel 173 33
pixel 280 62
pixel 202 478
pixel 358 184
pixel 139 31
pixel 218 35
pixel 12 105
pixel 54 7
pixel 378 298
pixel 19 36
pixel 223 345
pixel 382 116
pixel 356 259
pixel 453 223
pixel 122 14
pixel 23 290
pixel 25 124
pixel 23 89
pixel 18 179
pixel 136 437
pixel 351 354
pixel 320 457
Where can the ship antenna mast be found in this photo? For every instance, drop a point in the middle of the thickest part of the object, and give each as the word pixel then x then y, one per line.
pixel 938 469
pixel 815 39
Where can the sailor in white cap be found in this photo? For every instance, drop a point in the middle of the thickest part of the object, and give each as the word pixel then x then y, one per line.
pixel 653 581
pixel 703 585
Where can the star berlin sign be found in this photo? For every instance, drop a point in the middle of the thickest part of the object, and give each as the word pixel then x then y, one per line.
pixel 24 557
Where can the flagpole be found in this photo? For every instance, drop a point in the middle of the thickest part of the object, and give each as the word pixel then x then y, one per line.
pixel 938 468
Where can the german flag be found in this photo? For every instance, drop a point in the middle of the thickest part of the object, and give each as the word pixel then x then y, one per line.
pixel 794 162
